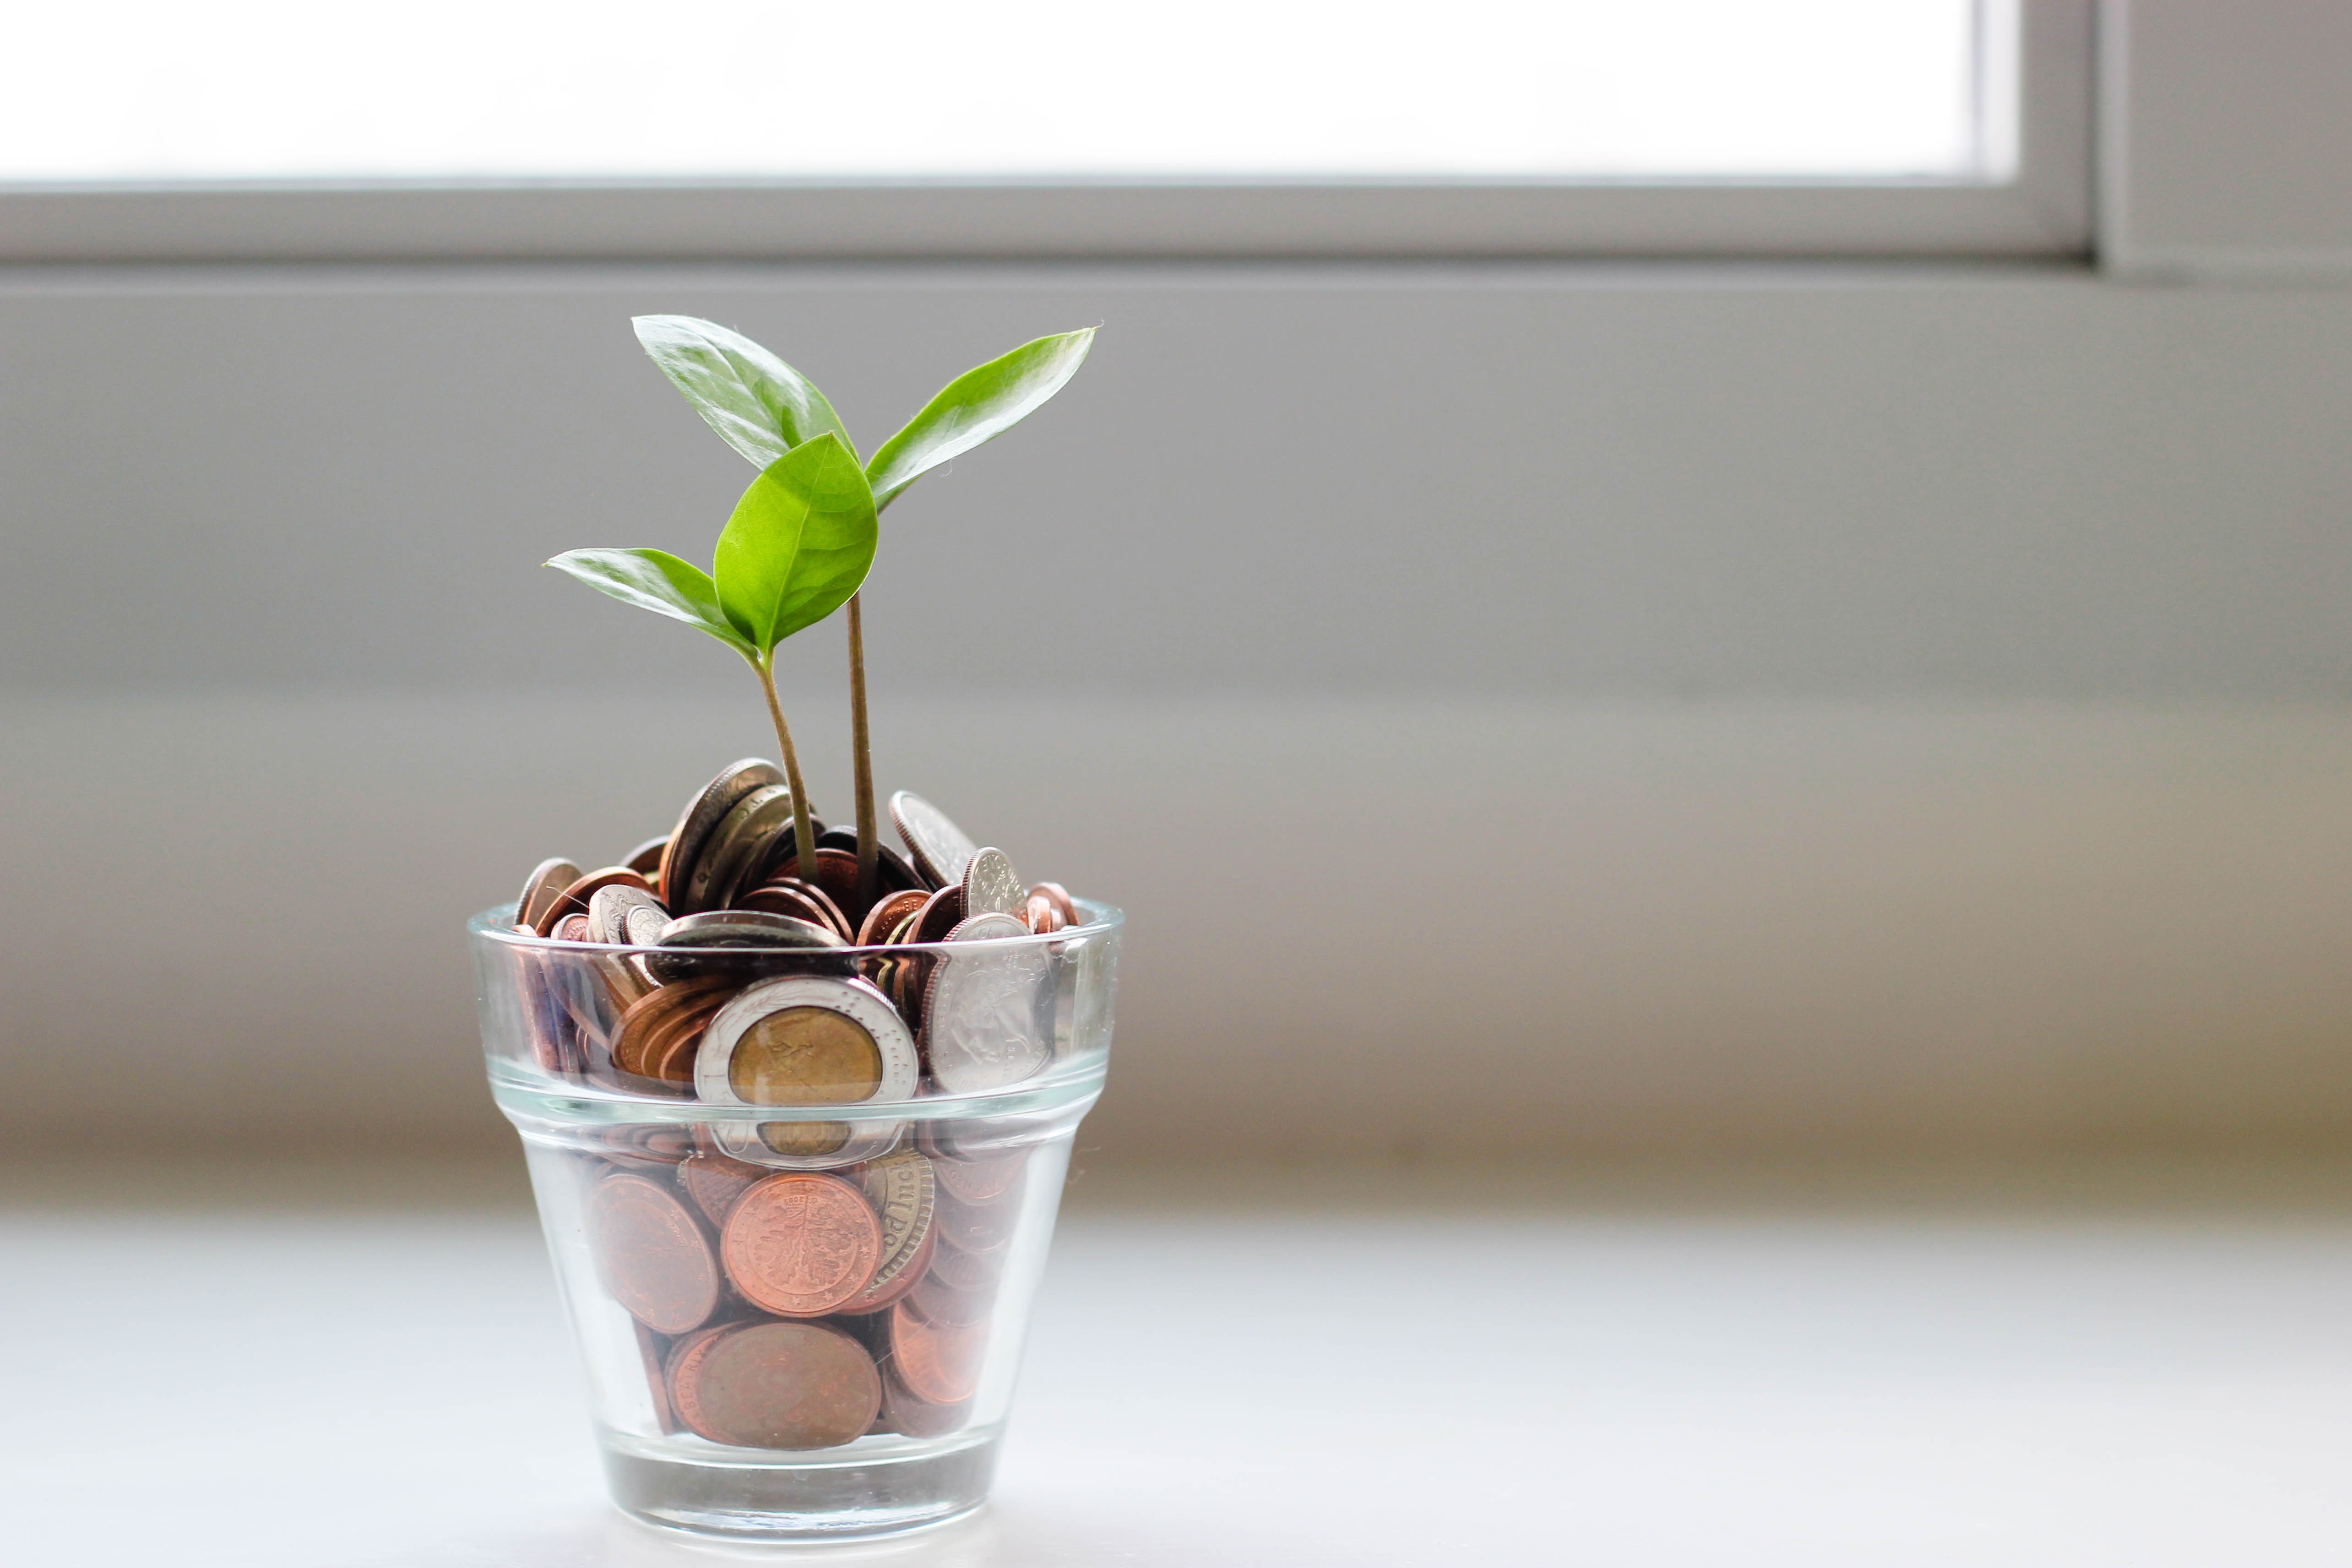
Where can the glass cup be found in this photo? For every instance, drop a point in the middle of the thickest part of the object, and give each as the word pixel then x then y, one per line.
pixel 798 1201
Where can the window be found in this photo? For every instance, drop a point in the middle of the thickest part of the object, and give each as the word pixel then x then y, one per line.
pixel 516 127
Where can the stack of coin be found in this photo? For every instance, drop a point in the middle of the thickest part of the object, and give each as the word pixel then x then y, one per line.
pixel 726 901
pixel 800 1310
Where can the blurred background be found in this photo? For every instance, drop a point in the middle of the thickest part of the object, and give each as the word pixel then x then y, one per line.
pixel 1783 596
pixel 1675 587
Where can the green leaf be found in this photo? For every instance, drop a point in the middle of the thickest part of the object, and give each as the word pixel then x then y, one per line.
pixel 800 542
pixel 656 580
pixel 760 405
pixel 978 405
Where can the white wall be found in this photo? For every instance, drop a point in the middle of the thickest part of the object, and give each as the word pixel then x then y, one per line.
pixel 1855 709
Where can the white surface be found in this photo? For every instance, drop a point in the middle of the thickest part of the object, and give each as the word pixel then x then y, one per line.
pixel 1538 1376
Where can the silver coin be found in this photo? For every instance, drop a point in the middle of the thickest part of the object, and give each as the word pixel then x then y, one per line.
pixel 744 928
pixel 981 1024
pixel 942 851
pixel 703 813
pixel 991 887
pixel 618 915
pixel 735 843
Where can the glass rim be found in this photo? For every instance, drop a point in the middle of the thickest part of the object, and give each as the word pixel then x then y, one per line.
pixel 496 924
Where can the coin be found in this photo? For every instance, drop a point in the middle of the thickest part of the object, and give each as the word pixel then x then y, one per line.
pixel 1041 916
pixel 903 1412
pixel 970 1271
pixel 570 929
pixel 732 929
pixel 786 1386
pixel 893 910
pixel 650 1253
pixel 892 874
pixel 807 1040
pixel 981 1029
pixel 680 1370
pixel 942 849
pixel 573 899
pixel 702 813
pixel 714 1181
pixel 799 900
pixel 944 1306
pixel 939 1365
pixel 625 916
pixel 650 1349
pixel 837 873
pixel 940 916
pixel 645 859
pixel 901 1189
pixel 547 881
pixel 655 1011
pixel 989 886
pixel 1062 900
pixel 979 1179
pixel 671 1056
pixel 799 1244
pixel 734 844
pixel 976 1226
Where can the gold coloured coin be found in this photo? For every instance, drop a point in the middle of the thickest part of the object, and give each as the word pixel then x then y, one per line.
pixel 805 1056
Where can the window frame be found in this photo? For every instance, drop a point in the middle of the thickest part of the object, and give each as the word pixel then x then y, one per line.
pixel 2045 210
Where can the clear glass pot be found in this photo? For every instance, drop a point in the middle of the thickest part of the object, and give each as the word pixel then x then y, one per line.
pixel 798 1264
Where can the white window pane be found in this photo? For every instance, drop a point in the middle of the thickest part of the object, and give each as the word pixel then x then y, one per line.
pixel 433 89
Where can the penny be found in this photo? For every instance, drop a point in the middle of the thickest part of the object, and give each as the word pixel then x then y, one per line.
pixel 624 917
pixel 970 1271
pixel 901 1189
pixel 650 1349
pixel 715 1181
pixel 671 1058
pixel 786 1386
pixel 976 1226
pixel 571 929
pixel 977 1179
pixel 893 910
pixel 1040 915
pixel 799 1244
pixel 799 900
pixel 837 873
pixel 703 813
pixel 1062 900
pixel 680 1369
pixel 892 874
pixel 989 887
pixel 942 849
pixel 546 883
pixel 807 1040
pixel 735 843
pixel 940 915
pixel 903 1412
pixel 573 899
pixel 945 1305
pixel 939 1365
pixel 657 1011
pixel 981 1029
pixel 651 1254
pixel 645 859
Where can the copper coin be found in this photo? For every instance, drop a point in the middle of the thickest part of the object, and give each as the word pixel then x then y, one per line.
pixel 546 883
pixel 888 913
pixel 980 1179
pixel 645 859
pixel 650 1347
pixel 651 1254
pixel 903 1192
pixel 939 1365
pixel 702 813
pixel 655 1010
pixel 786 1386
pixel 975 1226
pixel 937 1301
pixel 973 1273
pixel 680 1370
pixel 837 873
pixel 904 1413
pixel 571 929
pixel 799 1244
pixel 715 1181
pixel 573 899
pixel 679 1045
pixel 798 899
pixel 1038 913
pixel 1061 897
pixel 940 915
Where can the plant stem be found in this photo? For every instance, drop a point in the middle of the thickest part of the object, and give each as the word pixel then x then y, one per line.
pixel 803 837
pixel 869 847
